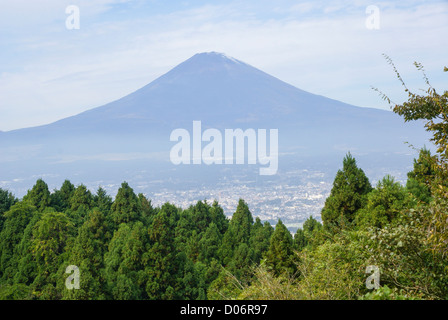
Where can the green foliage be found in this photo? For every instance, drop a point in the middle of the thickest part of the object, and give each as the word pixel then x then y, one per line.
pixel 87 253
pixel 235 253
pixel 348 195
pixel 260 239
pixel 39 195
pixel 225 287
pixel 386 293
pixel 51 237
pixel 335 269
pixel 126 207
pixel 7 200
pixel 241 223
pixel 431 107
pixel 60 199
pixel 81 199
pixel 403 253
pixel 15 292
pixel 308 235
pixel 423 170
pixel 280 258
pixel 420 191
pixel 384 204
pixel 17 220
pixel 209 243
pixel 162 258
pixel 267 286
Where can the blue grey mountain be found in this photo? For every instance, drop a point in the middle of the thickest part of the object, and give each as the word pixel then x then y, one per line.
pixel 222 92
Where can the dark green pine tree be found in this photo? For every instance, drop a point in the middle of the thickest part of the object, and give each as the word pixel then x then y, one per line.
pixel 385 204
pixel 190 283
pixel 102 201
pixel 126 207
pixel 82 199
pixel 87 254
pixel 201 216
pixel 15 285
pixel 162 267
pixel 60 199
pixel 238 232
pixel 241 222
pixel 219 218
pixel 147 209
pixel 210 244
pixel 79 205
pixel 423 170
pixel 39 195
pixel 7 200
pixel 27 269
pixel 348 195
pixel 300 240
pixel 125 262
pixel 242 260
pixel 16 220
pixel 260 239
pixel 52 235
pixel 311 225
pixel 280 257
pixel 183 231
pixel 305 236
pixel 421 177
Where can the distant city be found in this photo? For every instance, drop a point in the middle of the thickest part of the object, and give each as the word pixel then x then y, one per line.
pixel 297 195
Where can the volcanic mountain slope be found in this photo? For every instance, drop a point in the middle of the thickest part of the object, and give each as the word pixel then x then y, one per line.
pixel 221 92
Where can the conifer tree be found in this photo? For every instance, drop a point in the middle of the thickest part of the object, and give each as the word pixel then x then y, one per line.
pixel 421 177
pixel 51 235
pixel 238 232
pixel 60 199
pixel 260 239
pixel 280 257
pixel 241 223
pixel 16 221
pixel 82 199
pixel 384 204
pixel 146 208
pixel 218 217
pixel 209 243
pixel 39 195
pixel 6 201
pixel 87 253
pixel 305 236
pixel 125 262
pixel 126 207
pixel 162 261
pixel 348 195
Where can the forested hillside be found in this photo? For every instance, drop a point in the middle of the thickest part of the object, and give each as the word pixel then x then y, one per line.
pixel 125 248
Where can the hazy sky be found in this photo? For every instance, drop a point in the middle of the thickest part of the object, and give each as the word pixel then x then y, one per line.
pixel 48 72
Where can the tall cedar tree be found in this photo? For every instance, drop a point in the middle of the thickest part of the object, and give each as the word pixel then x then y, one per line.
pixel 422 175
pixel 238 232
pixel 60 199
pixel 280 257
pixel 6 201
pixel 126 207
pixel 16 221
pixel 348 195
pixel 39 195
pixel 87 253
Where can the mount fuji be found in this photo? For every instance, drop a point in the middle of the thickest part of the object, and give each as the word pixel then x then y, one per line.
pixel 129 139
